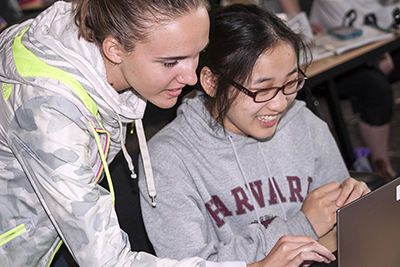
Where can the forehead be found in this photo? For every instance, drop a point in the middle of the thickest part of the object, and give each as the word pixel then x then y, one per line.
pixel 279 59
pixel 183 32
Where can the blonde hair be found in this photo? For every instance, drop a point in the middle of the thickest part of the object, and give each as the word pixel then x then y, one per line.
pixel 126 20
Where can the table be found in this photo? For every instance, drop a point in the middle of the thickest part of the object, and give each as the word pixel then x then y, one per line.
pixel 325 70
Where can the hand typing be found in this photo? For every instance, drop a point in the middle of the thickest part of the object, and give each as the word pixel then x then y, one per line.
pixel 320 207
pixel 294 251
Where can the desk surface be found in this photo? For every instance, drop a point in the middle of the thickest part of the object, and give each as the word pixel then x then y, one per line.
pixel 320 67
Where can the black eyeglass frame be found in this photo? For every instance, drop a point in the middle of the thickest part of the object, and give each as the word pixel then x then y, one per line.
pixel 254 94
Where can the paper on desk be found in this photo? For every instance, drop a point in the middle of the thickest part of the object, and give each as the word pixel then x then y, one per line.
pixel 338 46
pixel 319 52
pixel 299 24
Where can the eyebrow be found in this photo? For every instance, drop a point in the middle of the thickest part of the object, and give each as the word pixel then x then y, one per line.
pixel 263 79
pixel 172 58
pixel 180 57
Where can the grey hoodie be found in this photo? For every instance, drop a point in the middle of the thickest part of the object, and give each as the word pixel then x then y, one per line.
pixel 223 196
pixel 60 126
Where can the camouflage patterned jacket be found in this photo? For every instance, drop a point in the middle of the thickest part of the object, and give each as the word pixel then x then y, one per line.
pixel 60 124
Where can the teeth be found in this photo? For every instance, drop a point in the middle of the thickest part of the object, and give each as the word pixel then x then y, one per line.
pixel 266 118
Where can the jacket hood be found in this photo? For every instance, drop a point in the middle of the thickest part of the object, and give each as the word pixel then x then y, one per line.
pixel 200 119
pixel 55 42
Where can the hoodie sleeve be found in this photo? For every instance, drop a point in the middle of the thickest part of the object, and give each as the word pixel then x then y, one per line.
pixel 329 164
pixel 53 143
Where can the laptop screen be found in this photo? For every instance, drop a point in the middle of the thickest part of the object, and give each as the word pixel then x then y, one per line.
pixel 368 230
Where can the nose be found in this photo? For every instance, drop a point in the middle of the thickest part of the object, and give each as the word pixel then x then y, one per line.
pixel 188 74
pixel 279 103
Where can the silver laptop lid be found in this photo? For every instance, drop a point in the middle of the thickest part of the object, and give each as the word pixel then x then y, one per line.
pixel 369 229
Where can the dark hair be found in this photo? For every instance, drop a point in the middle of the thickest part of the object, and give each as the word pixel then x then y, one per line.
pixel 126 20
pixel 239 34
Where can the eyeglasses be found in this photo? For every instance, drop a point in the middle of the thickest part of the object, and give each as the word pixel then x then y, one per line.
pixel 264 95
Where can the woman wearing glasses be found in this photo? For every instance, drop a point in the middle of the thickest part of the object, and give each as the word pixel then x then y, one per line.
pixel 244 163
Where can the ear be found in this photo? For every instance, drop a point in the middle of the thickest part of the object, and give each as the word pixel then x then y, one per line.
pixel 112 50
pixel 208 81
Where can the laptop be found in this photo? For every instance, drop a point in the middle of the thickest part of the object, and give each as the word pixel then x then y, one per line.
pixel 368 230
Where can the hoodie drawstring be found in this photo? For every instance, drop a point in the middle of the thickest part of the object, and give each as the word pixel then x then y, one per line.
pixel 273 183
pixel 144 152
pixel 245 179
pixel 127 157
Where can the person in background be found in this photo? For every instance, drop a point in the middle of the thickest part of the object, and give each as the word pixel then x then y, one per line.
pixel 369 86
pixel 244 163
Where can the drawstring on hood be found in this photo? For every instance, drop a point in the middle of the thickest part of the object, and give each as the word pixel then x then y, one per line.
pixel 144 152
pixel 245 179
pixel 127 157
pixel 247 182
pixel 273 184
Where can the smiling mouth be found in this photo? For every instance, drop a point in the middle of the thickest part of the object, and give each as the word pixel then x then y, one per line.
pixel 267 118
pixel 173 90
